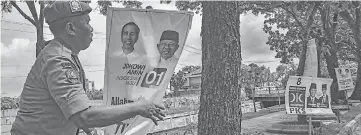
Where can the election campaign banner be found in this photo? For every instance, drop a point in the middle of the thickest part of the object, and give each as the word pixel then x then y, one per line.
pixel 295 94
pixel 344 78
pixel 143 49
pixel 318 96
pixel 308 95
pixel 311 63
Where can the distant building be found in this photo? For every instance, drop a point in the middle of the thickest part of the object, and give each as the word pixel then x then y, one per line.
pixel 89 86
pixel 192 83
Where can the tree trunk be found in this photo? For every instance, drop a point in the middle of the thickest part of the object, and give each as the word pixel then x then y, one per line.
pixel 332 63
pixel 356 94
pixel 319 46
pixel 40 43
pixel 302 62
pixel 220 103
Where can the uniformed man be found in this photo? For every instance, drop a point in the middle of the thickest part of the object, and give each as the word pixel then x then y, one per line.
pixel 53 100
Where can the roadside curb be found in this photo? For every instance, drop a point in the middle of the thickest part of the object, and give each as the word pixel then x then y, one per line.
pixel 351 126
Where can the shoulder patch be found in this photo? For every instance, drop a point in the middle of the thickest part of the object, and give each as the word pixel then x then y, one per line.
pixel 68 65
pixel 72 76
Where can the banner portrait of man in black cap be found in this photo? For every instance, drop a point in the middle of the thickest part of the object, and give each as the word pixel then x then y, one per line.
pixel 167 46
pixel 312 100
pixel 324 98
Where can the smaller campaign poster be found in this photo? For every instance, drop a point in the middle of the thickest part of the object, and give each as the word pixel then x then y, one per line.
pixel 344 78
pixel 295 94
pixel 318 96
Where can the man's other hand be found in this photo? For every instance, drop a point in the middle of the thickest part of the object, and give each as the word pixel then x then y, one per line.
pixel 150 110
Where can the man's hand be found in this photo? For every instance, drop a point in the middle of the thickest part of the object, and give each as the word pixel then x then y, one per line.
pixel 150 110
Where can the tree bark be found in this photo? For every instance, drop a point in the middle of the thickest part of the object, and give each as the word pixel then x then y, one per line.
pixel 356 94
pixel 220 103
pixel 355 25
pixel 40 43
pixel 331 57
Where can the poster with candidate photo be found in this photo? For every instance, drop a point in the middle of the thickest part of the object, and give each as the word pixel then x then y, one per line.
pixel 143 49
pixel 308 95
pixel 344 78
pixel 318 96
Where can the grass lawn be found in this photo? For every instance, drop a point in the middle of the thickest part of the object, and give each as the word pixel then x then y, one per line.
pixel 334 128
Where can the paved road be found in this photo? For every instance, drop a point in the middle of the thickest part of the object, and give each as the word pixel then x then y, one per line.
pixel 260 124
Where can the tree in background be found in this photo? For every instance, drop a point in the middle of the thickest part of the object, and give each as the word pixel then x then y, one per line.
pixel 8 103
pixel 177 81
pixel 284 71
pixel 334 25
pixel 36 20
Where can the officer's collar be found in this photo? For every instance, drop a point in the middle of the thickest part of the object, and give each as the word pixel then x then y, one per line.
pixel 64 47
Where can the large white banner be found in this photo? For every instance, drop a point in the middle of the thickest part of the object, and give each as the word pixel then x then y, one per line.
pixel 143 49
pixel 308 95
pixel 344 78
pixel 311 63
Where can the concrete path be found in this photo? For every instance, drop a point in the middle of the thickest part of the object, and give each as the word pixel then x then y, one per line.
pixel 260 124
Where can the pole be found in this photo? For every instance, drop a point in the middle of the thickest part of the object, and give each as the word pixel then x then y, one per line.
pixel 346 95
pixel 310 125
pixel 279 97
pixel 254 103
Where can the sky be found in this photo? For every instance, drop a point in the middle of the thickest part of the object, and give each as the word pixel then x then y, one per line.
pixel 18 39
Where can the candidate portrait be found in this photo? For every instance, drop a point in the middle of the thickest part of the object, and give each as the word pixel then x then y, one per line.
pixel 324 98
pixel 312 100
pixel 168 45
pixel 129 36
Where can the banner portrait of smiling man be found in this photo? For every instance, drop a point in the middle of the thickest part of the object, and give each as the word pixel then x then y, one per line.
pixel 143 49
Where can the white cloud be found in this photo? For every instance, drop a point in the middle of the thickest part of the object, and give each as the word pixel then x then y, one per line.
pixel 16 61
pixel 20 46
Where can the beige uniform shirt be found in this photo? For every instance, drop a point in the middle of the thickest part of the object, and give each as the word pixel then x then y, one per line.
pixel 53 91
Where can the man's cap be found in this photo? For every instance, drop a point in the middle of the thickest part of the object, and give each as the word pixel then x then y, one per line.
pixel 63 9
pixel 170 35
pixel 324 86
pixel 313 86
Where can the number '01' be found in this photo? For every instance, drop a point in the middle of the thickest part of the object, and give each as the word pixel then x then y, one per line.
pixel 154 77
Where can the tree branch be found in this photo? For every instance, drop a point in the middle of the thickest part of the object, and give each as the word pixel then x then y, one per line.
pixel 310 19
pixel 355 28
pixel 41 15
pixel 294 16
pixel 22 13
pixel 31 6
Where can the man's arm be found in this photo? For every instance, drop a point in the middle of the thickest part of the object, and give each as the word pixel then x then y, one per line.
pixel 66 89
pixel 101 116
